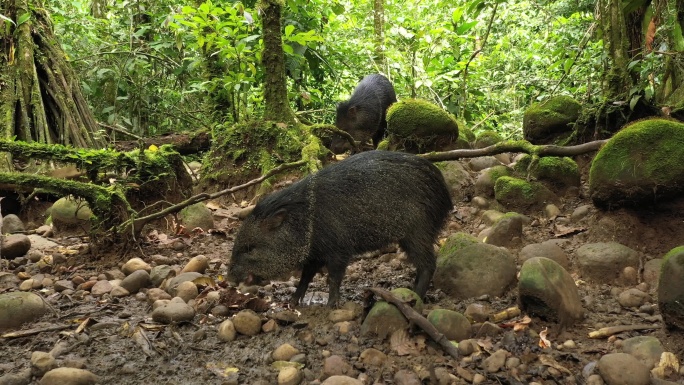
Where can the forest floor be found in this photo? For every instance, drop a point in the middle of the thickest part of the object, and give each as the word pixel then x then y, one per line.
pixel 122 345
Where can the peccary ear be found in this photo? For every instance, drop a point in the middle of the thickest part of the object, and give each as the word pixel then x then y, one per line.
pixel 274 221
pixel 351 112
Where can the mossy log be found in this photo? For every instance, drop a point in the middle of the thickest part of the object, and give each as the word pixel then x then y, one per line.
pixel 108 204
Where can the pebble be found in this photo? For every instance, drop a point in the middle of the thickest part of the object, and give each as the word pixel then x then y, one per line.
pixel 118 291
pixel 284 352
pixel 406 377
pixel 226 331
pixel 101 288
pixel 198 264
pixel 373 357
pixel 289 376
pixel 247 322
pixel 633 298
pixel 135 264
pixel 43 362
pixel 155 294
pixel 341 315
pixel 17 308
pixel 493 363
pixel 187 290
pixel 68 376
pixel 336 365
pixel 136 281
pixel 175 310
pixel 341 380
pixel 468 347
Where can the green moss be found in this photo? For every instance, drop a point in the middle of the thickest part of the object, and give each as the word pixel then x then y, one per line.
pixel 243 151
pixel 415 118
pixel 560 171
pixel 456 242
pixel 497 172
pixel 640 161
pixel 516 192
pixel 550 117
pixel 487 138
pixel 466 133
pixel 673 252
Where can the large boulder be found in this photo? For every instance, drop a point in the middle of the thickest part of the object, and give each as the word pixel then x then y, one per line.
pixel 641 164
pixel 671 288
pixel 559 172
pixel 547 120
pixel 417 126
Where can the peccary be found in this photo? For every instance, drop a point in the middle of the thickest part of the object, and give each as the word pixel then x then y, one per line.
pixel 363 115
pixel 363 203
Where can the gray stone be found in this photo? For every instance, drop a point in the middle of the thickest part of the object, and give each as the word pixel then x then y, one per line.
pixel 652 271
pixel 474 270
pixel 136 281
pixel 507 231
pixel 180 278
pixel 496 361
pixel 384 318
pixel 623 369
pixel 454 325
pixel 11 224
pixel 15 245
pixel 17 308
pixel 175 310
pixel 604 262
pixel 69 376
pixel 671 288
pixel 547 249
pixel 646 349
pixel 548 291
pixel 197 215
pixel 482 162
pixel 632 298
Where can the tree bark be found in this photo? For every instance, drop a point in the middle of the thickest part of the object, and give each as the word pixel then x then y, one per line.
pixel 43 101
pixel 379 27
pixel 617 81
pixel 277 106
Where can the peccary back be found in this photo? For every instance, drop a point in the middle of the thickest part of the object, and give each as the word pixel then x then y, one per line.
pixel 363 203
pixel 363 115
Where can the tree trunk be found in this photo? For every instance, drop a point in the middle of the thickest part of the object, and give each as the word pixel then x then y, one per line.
pixel 617 81
pixel 277 106
pixel 41 98
pixel 379 27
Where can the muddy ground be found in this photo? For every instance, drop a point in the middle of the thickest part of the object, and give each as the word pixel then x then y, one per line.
pixel 190 353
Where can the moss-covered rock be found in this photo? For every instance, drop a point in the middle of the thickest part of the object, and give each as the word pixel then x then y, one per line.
pixel 486 139
pixel 457 241
pixel 518 193
pixel 418 125
pixel 474 270
pixel 547 290
pixel 550 119
pixel 454 325
pixel 560 172
pixel 640 164
pixel 671 288
pixel 457 178
pixel 384 318
pixel 70 212
pixel 484 185
pixel 197 215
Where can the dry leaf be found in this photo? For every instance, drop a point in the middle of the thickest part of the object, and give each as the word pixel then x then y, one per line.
pixel 401 343
pixel 668 366
pixel 543 341
pixel 549 361
pixel 221 369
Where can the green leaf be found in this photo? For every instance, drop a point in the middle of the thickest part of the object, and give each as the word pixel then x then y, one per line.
pixel 5 18
pixel 634 101
pixel 288 49
pixel 465 27
pixel 23 18
pixel 289 29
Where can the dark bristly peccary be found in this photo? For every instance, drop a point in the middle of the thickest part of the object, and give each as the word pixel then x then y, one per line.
pixel 363 115
pixel 363 203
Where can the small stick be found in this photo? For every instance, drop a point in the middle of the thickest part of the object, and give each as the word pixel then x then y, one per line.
pixel 30 332
pixel 417 319
pixel 609 331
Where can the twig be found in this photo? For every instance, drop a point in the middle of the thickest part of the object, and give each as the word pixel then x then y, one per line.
pixel 417 319
pixel 609 331
pixel 120 130
pixel 30 332
pixel 137 224
pixel 516 146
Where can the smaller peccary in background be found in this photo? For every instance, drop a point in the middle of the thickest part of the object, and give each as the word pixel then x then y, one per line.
pixel 363 203
pixel 363 115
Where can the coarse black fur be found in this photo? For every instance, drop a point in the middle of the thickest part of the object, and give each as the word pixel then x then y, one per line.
pixel 363 203
pixel 363 116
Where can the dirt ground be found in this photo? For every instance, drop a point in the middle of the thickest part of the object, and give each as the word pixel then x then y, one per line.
pixel 190 353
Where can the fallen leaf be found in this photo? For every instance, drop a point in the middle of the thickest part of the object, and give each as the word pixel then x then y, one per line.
pixel 549 361
pixel 401 342
pixel 543 341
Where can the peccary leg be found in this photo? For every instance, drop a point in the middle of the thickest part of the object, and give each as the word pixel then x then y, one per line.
pixel 422 256
pixel 335 275
pixel 308 272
